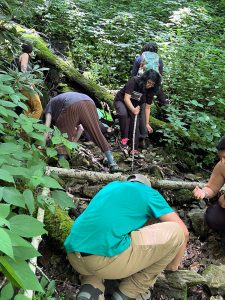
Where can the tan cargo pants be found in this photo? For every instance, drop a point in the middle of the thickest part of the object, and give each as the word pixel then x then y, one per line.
pixel 152 248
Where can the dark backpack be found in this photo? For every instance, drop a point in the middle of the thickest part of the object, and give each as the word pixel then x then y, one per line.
pixel 149 60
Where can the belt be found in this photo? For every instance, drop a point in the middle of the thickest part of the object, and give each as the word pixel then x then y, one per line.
pixel 85 254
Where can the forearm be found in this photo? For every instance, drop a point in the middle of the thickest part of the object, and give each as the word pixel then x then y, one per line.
pixel 147 113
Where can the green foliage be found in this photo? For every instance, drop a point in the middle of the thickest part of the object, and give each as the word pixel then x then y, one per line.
pixel 22 178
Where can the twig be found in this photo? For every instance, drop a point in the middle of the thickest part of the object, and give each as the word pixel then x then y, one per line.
pixel 3 282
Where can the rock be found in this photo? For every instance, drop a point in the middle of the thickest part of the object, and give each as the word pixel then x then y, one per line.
pixel 175 284
pixel 216 298
pixel 197 217
pixel 215 277
pixel 183 196
pixel 90 191
pixel 155 171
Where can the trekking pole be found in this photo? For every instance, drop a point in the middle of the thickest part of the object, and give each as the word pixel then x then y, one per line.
pixel 133 142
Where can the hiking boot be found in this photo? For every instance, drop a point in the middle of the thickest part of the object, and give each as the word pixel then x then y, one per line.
pixel 114 168
pixel 118 295
pixel 88 292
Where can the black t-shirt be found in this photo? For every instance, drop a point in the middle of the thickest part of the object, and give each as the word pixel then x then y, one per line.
pixel 146 95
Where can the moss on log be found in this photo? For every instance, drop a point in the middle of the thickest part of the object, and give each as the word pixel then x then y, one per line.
pixel 43 52
pixel 58 226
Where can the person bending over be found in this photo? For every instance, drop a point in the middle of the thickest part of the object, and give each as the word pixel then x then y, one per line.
pixel 215 214
pixel 136 96
pixel 109 240
pixel 69 111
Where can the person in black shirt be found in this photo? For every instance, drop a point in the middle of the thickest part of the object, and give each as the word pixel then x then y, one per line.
pixel 136 95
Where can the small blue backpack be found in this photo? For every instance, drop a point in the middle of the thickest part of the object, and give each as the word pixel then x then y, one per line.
pixel 149 60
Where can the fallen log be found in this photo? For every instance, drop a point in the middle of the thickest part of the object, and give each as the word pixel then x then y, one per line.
pixel 98 177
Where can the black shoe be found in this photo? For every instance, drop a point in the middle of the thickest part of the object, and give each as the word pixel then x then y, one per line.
pixel 113 168
pixel 88 292
pixel 118 295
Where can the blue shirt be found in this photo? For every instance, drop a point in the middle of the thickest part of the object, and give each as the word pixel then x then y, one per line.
pixel 116 210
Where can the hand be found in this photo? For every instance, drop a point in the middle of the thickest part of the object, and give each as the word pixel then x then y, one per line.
pixel 221 201
pixel 199 193
pixel 149 128
pixel 136 110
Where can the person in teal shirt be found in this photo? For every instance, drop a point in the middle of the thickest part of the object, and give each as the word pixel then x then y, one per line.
pixel 110 239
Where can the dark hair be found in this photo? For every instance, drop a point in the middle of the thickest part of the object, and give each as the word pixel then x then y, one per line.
pixel 150 75
pixel 152 47
pixel 221 144
pixel 27 48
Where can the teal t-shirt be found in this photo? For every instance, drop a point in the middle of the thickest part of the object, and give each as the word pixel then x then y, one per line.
pixel 116 210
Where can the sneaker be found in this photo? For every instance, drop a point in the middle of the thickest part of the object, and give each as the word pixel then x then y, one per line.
pixel 124 141
pixel 88 292
pixel 118 295
pixel 124 146
pixel 113 168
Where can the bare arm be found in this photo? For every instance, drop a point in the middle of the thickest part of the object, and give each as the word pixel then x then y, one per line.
pixel 134 110
pixel 213 186
pixel 48 121
pixel 147 117
pixel 173 217
pixel 24 59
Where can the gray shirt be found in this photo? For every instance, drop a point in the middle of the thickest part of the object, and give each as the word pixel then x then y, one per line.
pixel 59 103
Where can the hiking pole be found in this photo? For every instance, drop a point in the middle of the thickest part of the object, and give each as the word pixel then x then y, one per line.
pixel 133 142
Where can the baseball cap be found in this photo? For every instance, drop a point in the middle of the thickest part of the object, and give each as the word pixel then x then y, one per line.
pixel 139 178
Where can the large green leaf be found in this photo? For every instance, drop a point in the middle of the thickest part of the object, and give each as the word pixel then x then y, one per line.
pixel 7 148
pixel 21 297
pixel 5 77
pixel 4 210
pixel 16 171
pixel 50 182
pixel 22 274
pixel 5 243
pixel 26 226
pixel 7 103
pixel 7 292
pixel 12 195
pixel 6 89
pixel 6 176
pixel 9 272
pixel 22 249
pixel 4 222
pixel 62 199
pixel 29 200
